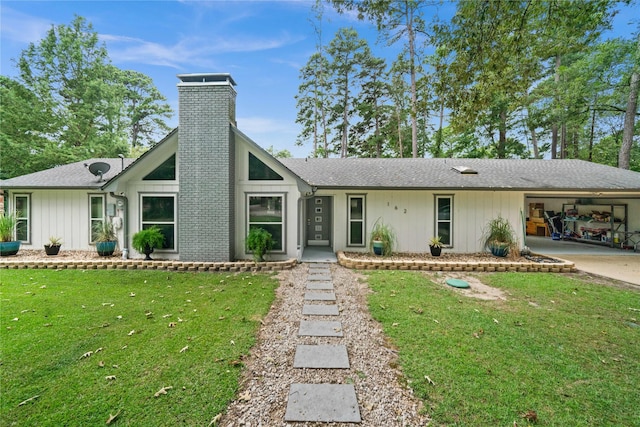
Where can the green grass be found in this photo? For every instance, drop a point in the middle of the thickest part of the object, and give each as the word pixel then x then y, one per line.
pixel 566 349
pixel 50 319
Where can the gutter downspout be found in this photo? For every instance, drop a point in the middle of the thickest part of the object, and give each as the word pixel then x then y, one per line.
pixel 125 220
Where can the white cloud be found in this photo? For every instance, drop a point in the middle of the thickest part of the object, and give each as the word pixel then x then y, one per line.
pixel 21 28
pixel 192 51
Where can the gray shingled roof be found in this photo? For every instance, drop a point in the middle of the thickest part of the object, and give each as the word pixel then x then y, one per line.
pixel 73 175
pixel 493 174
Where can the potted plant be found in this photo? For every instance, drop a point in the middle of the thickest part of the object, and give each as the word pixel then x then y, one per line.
pixel 105 238
pixel 382 239
pixel 259 241
pixel 146 240
pixel 435 246
pixel 499 237
pixel 8 245
pixel 53 248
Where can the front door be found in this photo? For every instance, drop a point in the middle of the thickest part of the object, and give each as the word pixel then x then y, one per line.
pixel 319 221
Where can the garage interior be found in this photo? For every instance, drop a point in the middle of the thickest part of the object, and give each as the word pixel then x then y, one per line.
pixel 605 223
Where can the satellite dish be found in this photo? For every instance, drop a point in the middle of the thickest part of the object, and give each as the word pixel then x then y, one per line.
pixel 99 168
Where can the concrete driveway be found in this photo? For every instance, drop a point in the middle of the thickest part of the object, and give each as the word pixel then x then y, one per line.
pixel 604 261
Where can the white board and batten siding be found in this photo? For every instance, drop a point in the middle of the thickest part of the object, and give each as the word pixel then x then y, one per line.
pixel 63 214
pixel 411 214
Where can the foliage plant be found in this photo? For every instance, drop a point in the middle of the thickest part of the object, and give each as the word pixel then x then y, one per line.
pixel 54 245
pixel 104 232
pixel 259 241
pixel 108 340
pixel 382 232
pixel 562 347
pixel 498 233
pixel 147 239
pixel 55 241
pixel 435 246
pixel 435 242
pixel 7 227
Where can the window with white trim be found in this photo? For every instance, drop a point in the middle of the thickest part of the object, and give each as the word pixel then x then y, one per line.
pixel 22 209
pixel 444 219
pixel 96 214
pixel 160 210
pixel 356 220
pixel 267 211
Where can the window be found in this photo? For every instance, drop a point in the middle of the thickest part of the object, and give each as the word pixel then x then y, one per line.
pixel 444 219
pixel 160 210
pixel 258 171
pixel 356 220
pixel 165 172
pixel 96 213
pixel 22 210
pixel 267 211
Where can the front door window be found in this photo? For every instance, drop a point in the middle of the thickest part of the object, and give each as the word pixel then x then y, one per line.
pixel 319 221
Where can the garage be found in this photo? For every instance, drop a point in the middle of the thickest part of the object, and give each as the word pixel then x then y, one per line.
pixel 582 224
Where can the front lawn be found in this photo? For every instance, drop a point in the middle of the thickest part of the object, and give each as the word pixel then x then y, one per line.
pixel 558 350
pixel 154 348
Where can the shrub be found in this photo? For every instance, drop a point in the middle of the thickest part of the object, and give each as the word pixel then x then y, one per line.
pixel 259 241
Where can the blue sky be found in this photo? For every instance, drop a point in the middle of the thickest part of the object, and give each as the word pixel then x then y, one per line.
pixel 262 44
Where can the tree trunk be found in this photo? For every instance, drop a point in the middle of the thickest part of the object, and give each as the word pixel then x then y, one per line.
pixel 534 142
pixel 554 127
pixel 502 139
pixel 438 150
pixel 563 141
pixel 345 121
pixel 400 147
pixel 414 90
pixel 377 131
pixel 593 130
pixel 315 127
pixel 624 157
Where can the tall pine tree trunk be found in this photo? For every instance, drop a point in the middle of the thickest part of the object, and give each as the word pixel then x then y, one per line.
pixel 534 135
pixel 554 127
pixel 414 89
pixel 624 157
pixel 502 139
pixel 345 121
pixel 400 145
pixel 438 151
pixel 563 141
pixel 593 130
pixel 534 142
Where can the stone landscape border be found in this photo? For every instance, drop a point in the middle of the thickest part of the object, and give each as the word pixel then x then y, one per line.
pixel 249 266
pixel 139 264
pixel 561 266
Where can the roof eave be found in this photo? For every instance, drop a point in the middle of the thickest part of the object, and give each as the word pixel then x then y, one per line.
pixel 454 188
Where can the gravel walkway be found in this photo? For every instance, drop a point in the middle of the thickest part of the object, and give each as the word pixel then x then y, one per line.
pixel 269 369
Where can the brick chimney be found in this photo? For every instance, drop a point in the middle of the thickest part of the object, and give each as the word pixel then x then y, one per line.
pixel 206 218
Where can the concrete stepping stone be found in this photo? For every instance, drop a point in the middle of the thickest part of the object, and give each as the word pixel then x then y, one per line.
pixel 321 357
pixel 322 403
pixel 319 277
pixel 320 286
pixel 319 265
pixel 319 296
pixel 320 310
pixel 320 328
